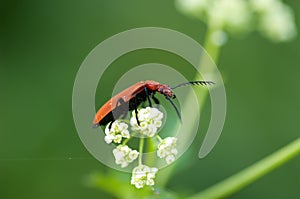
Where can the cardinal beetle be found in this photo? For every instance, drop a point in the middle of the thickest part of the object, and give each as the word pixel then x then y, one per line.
pixel 133 96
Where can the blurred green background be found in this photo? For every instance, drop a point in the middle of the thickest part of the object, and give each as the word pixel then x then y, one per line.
pixel 42 46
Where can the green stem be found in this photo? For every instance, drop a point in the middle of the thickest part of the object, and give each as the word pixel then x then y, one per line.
pixel 141 150
pixel 159 138
pixel 252 173
pixel 125 141
pixel 205 65
pixel 128 139
pixel 151 147
pixel 212 49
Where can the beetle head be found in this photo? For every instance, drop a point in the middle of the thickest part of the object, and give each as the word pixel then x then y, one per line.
pixel 166 91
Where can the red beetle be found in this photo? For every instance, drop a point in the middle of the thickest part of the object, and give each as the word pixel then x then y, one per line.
pixel 133 96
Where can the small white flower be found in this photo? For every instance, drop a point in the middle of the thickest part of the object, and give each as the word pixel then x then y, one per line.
pixel 116 133
pixel 234 15
pixel 133 155
pixel 109 138
pixel 167 150
pixel 277 23
pixel 124 155
pixel 196 8
pixel 273 18
pixel 150 120
pixel 118 138
pixel 262 5
pixel 143 175
pixel 125 133
pixel 170 159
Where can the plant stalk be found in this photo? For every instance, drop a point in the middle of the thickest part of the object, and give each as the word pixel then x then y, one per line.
pixel 252 173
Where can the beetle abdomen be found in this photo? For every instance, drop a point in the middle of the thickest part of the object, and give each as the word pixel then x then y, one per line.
pixel 122 109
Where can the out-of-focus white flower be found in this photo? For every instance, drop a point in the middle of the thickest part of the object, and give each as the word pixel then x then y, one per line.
pixel 232 15
pixel 273 18
pixel 277 22
pixel 116 133
pixel 167 149
pixel 150 120
pixel 143 175
pixel 124 155
pixel 262 5
pixel 197 8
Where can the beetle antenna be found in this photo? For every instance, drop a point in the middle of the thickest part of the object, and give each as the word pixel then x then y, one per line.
pixel 175 107
pixel 202 83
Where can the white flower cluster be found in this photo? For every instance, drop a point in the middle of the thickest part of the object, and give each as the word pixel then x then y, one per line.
pixel 116 133
pixel 143 175
pixel 150 120
pixel 273 18
pixel 124 155
pixel 276 19
pixel 232 15
pixel 167 150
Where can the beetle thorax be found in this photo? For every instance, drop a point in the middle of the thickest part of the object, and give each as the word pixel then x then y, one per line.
pixel 165 90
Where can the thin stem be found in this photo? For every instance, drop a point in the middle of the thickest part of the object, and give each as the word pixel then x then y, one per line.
pixel 151 147
pixel 141 150
pixel 128 139
pixel 159 138
pixel 205 65
pixel 252 173
pixel 212 49
pixel 125 141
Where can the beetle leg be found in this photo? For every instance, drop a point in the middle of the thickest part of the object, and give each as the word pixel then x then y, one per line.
pixel 136 117
pixel 122 109
pixel 125 114
pixel 116 112
pixel 175 107
pixel 148 97
pixel 110 124
pixel 155 99
pixel 121 101
pixel 135 110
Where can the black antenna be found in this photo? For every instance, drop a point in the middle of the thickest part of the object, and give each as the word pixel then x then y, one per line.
pixel 175 107
pixel 202 83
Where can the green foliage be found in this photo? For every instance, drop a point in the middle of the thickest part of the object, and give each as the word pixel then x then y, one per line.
pixel 42 46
